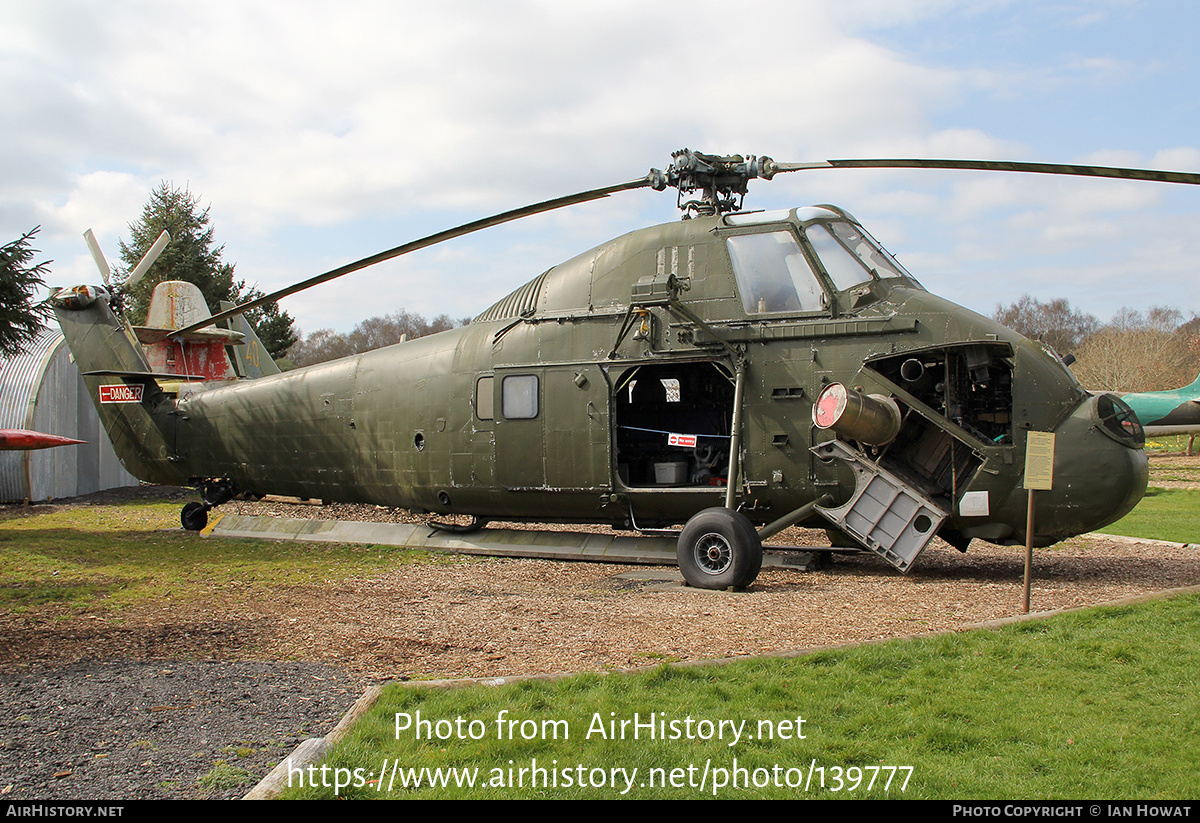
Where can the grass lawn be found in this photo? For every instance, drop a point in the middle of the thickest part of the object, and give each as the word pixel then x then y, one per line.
pixel 114 557
pixel 1163 514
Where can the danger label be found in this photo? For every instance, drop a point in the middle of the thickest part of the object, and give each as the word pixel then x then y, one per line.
pixel 687 440
pixel 121 393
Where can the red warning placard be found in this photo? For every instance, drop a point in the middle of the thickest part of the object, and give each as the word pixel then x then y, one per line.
pixel 686 440
pixel 121 393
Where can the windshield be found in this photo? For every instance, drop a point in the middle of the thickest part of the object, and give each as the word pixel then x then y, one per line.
pixel 843 268
pixel 851 256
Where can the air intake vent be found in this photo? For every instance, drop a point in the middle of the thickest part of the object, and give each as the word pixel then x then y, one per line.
pixel 520 303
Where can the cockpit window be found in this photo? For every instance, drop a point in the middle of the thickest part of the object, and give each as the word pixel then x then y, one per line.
pixel 874 256
pixel 854 256
pixel 773 275
pixel 844 269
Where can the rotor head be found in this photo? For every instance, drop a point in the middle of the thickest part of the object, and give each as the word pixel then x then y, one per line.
pixel 720 180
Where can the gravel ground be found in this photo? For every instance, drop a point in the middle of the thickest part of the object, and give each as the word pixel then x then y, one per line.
pixel 201 699
pixel 130 729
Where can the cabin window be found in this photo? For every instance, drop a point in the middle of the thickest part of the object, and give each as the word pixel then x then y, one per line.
pixel 773 275
pixel 520 397
pixel 485 403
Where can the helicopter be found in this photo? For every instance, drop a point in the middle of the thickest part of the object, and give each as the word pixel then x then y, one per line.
pixel 736 372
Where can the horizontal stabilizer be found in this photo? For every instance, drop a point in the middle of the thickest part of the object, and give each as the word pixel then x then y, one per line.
pixel 148 334
pixel 143 376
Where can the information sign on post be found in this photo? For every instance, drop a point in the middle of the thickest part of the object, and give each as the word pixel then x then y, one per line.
pixel 1039 476
pixel 1039 461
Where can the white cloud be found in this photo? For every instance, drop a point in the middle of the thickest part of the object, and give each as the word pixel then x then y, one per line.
pixel 105 201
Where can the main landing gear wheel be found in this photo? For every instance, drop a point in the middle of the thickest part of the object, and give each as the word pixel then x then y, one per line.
pixel 194 516
pixel 719 549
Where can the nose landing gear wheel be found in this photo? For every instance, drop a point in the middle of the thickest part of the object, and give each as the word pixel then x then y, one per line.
pixel 719 549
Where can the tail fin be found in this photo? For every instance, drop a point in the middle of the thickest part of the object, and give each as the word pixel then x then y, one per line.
pixel 134 410
pixel 251 360
pixel 201 354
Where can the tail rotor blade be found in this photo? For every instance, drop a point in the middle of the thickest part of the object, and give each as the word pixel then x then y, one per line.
pixel 146 262
pixel 97 255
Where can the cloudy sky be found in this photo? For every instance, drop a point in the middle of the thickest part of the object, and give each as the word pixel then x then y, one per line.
pixel 320 133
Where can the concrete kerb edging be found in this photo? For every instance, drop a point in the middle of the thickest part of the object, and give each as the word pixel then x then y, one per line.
pixel 314 749
pixel 1125 539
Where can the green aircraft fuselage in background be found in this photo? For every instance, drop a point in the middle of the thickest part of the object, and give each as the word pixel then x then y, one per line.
pixel 1164 413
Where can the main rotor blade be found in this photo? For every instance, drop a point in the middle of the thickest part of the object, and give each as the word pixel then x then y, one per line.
pixel 148 261
pixel 1000 165
pixel 433 239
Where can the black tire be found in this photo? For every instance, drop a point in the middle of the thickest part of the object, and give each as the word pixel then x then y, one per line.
pixel 719 549
pixel 194 517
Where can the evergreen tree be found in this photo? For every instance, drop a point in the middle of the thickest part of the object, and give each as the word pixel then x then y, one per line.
pixel 20 319
pixel 191 256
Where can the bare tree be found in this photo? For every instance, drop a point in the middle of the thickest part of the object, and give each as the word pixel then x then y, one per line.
pixel 1054 322
pixel 1139 351
pixel 372 333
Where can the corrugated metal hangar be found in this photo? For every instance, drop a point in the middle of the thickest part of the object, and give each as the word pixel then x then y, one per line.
pixel 42 390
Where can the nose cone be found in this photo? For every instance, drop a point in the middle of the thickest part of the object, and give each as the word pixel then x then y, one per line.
pixel 1100 471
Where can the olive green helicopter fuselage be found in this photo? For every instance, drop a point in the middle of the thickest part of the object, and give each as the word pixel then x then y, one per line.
pixel 663 373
